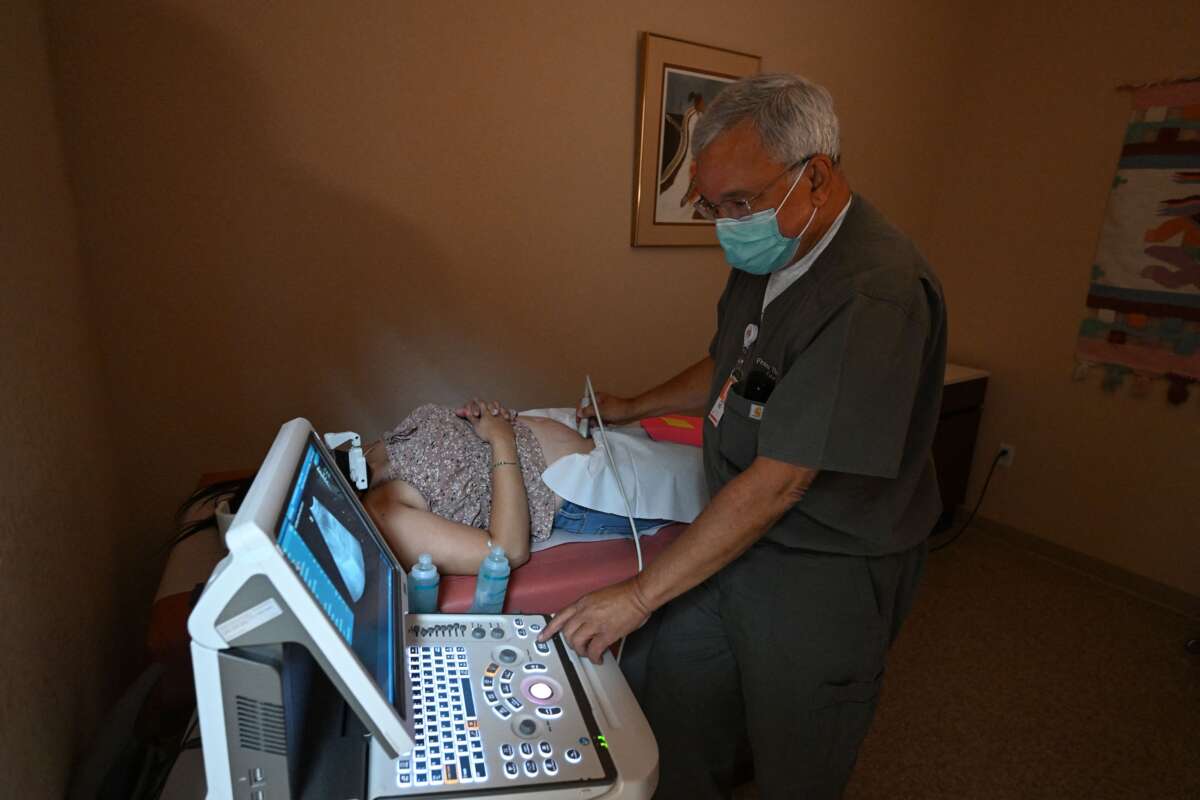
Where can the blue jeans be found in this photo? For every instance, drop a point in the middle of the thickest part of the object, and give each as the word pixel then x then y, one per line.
pixel 578 519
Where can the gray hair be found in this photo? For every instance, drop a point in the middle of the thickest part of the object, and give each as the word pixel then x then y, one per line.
pixel 794 117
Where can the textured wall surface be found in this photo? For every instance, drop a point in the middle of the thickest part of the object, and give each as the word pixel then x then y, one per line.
pixel 58 533
pixel 1031 156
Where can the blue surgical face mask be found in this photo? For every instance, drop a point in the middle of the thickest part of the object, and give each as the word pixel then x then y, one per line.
pixel 754 244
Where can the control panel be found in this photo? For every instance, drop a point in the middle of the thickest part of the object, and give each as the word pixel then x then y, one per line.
pixel 493 708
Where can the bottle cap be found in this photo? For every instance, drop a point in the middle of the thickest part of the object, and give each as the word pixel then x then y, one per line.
pixel 425 560
pixel 497 550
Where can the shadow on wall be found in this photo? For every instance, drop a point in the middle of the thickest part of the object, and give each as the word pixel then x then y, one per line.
pixel 233 289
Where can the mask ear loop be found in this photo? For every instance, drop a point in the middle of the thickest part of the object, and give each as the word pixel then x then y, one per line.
pixel 791 189
pixel 811 216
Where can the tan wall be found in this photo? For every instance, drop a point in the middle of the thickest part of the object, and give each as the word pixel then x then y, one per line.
pixel 57 489
pixel 303 209
pixel 1031 157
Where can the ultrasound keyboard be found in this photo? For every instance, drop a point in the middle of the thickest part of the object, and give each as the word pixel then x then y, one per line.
pixel 448 747
pixel 493 710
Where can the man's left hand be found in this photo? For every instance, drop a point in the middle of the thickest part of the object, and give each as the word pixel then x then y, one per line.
pixel 596 620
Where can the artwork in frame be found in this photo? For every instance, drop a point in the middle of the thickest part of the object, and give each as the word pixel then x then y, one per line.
pixel 679 79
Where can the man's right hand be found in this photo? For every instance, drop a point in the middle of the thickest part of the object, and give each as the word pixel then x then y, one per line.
pixel 615 410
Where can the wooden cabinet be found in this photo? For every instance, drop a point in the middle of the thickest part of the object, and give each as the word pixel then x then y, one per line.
pixel 954 442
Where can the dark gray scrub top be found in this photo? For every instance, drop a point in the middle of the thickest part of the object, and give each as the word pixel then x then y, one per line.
pixel 857 346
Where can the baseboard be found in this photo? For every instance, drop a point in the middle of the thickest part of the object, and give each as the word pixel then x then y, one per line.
pixel 1146 588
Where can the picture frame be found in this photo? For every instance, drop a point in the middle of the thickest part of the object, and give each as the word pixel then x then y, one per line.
pixel 678 78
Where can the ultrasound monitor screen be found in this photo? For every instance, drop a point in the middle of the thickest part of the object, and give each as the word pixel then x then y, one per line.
pixel 326 537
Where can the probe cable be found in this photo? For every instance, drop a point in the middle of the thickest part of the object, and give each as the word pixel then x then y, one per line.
pixel 978 503
pixel 616 475
pixel 637 543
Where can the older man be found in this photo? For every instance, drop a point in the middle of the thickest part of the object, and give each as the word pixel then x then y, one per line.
pixel 821 390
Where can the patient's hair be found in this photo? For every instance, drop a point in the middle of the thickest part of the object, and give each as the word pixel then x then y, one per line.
pixel 197 512
pixel 793 116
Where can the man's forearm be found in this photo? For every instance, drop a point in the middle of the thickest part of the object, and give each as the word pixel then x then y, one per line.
pixel 734 520
pixel 687 391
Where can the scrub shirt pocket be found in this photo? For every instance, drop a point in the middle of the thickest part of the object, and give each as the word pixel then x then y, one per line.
pixel 737 435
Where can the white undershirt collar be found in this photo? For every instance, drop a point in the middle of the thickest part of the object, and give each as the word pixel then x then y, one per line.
pixel 781 280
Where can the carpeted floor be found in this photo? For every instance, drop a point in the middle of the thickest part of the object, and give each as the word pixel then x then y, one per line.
pixel 1016 677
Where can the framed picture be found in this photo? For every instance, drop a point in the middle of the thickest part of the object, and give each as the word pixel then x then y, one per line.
pixel 678 80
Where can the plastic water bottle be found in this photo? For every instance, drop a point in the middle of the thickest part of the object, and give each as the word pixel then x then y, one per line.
pixel 423 586
pixel 491 583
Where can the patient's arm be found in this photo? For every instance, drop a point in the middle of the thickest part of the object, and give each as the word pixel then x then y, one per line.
pixel 509 523
pixel 457 549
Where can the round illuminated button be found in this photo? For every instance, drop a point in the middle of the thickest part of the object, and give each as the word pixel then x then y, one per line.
pixel 540 691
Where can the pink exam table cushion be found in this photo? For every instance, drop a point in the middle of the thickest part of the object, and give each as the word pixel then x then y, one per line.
pixel 556 577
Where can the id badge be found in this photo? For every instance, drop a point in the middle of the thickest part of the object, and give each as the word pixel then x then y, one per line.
pixel 718 408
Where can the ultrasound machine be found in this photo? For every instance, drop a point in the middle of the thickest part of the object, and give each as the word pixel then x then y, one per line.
pixel 313 681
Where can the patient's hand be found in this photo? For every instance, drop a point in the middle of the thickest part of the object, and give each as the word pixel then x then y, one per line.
pixel 491 421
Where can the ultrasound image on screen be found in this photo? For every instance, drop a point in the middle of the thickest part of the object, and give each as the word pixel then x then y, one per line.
pixel 328 541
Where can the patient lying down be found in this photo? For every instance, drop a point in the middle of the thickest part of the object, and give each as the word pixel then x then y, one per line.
pixel 445 481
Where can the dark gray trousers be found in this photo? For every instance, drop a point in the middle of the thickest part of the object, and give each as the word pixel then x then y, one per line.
pixel 783 646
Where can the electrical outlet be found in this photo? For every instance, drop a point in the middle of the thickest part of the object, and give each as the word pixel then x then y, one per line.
pixel 1007 454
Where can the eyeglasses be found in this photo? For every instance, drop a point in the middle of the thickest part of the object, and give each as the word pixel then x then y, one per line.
pixel 737 208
